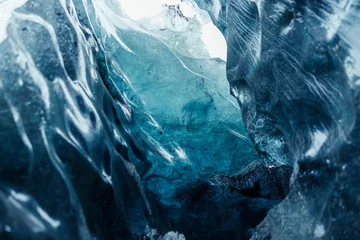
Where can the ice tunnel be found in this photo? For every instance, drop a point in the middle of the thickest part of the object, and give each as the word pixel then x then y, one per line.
pixel 179 119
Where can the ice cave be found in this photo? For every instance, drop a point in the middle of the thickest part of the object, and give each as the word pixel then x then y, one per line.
pixel 179 119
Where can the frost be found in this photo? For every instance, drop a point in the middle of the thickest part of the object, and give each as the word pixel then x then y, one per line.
pixel 173 236
pixel 319 231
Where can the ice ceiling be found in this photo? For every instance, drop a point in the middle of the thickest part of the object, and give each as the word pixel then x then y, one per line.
pixel 179 119
pixel 156 11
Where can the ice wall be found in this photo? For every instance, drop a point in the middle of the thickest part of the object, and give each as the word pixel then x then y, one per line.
pixel 294 68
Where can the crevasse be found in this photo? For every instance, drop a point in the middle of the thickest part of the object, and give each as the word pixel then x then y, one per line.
pixel 117 120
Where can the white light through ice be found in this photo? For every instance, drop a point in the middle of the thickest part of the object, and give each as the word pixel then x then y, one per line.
pixel 187 10
pixel 212 38
pixel 214 41
pixel 139 9
pixel 6 9
pixel 318 139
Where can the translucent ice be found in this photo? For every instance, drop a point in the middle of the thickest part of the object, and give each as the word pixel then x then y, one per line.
pixel 294 68
pixel 113 124
pixel 116 119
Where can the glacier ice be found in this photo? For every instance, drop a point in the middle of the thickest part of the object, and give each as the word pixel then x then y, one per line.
pixel 217 11
pixel 294 68
pixel 101 140
pixel 117 122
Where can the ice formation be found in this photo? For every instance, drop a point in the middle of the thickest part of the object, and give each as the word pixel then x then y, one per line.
pixel 117 120
pixel 294 68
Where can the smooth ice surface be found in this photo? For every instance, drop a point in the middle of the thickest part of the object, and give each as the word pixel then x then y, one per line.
pixel 294 68
pixel 179 96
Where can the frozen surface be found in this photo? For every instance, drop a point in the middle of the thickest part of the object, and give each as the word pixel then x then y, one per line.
pixel 294 68
pixel 118 123
pixel 116 126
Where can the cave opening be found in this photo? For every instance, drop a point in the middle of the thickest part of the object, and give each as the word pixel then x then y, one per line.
pixel 203 191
